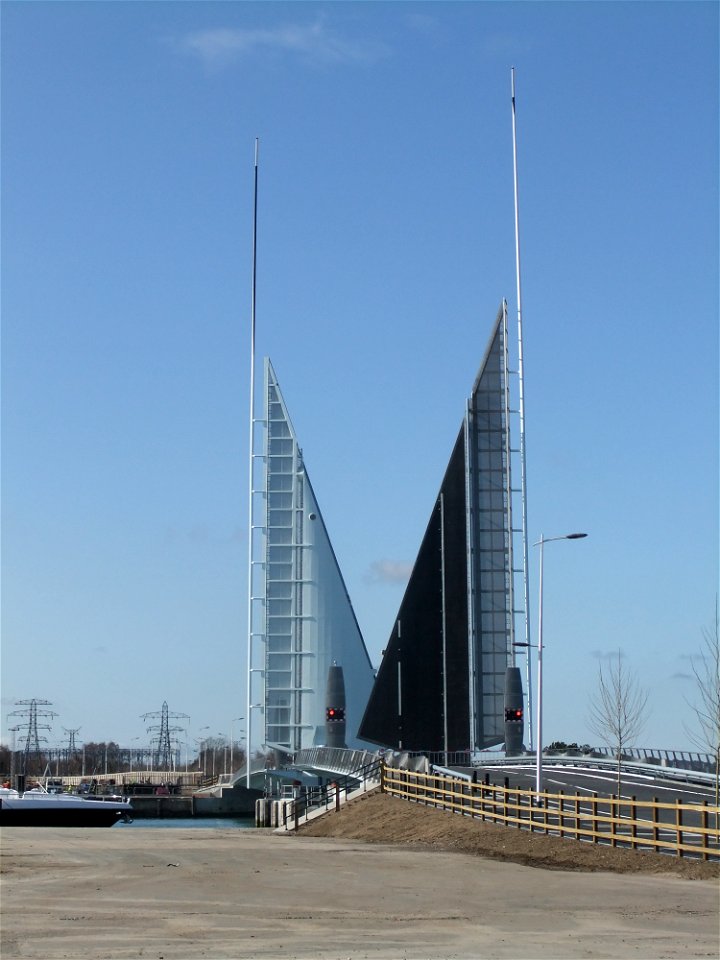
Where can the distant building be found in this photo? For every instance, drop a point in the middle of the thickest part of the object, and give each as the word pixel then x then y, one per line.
pixel 440 686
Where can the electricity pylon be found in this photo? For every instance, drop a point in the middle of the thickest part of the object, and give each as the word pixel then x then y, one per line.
pixel 71 747
pixel 31 727
pixel 164 752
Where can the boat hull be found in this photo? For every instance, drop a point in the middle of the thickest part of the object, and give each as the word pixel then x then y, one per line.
pixel 61 813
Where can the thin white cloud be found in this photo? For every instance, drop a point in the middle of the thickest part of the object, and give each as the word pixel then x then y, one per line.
pixel 200 534
pixel 315 43
pixel 507 46
pixel 424 24
pixel 389 571
pixel 607 654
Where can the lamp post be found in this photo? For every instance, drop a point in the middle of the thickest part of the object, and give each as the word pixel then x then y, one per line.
pixel 248 738
pixel 538 726
pixel 240 739
pixel 133 762
pixel 221 740
pixel 232 739
pixel 202 752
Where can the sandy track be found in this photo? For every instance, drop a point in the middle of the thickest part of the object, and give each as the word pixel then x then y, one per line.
pixel 184 894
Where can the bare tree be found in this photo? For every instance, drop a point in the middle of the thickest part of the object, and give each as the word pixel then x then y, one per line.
pixel 617 711
pixel 706 702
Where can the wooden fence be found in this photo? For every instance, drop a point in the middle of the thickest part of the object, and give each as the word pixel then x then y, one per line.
pixel 683 829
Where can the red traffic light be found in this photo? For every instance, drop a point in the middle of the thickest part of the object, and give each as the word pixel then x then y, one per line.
pixel 335 713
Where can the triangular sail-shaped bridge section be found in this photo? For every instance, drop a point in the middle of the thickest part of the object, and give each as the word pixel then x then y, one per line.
pixel 440 684
pixel 308 623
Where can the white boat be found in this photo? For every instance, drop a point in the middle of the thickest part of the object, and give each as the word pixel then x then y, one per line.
pixel 38 808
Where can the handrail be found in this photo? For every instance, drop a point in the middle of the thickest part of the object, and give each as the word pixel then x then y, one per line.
pixel 334 758
pixel 603 763
pixel 698 762
pixel 331 793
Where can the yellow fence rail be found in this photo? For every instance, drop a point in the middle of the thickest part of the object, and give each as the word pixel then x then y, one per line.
pixel 682 829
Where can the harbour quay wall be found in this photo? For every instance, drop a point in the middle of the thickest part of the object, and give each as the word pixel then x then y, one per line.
pixel 236 802
pixel 152 807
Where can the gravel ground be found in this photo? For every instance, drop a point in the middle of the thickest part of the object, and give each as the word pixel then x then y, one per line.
pixel 389 880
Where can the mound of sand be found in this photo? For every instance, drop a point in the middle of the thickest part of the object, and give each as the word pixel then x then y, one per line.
pixel 379 818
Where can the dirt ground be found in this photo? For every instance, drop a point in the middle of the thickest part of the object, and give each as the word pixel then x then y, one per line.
pixel 379 818
pixel 420 885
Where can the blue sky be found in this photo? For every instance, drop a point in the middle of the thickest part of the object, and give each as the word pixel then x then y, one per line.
pixel 386 245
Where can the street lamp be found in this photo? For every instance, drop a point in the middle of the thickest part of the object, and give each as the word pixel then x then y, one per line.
pixel 538 731
pixel 221 740
pixel 248 736
pixel 133 762
pixel 232 739
pixel 202 753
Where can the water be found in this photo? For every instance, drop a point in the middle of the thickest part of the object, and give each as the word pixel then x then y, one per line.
pixel 194 823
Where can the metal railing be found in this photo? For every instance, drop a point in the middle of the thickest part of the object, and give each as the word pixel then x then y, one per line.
pixel 680 759
pixel 331 795
pixel 334 759
pixel 154 777
pixel 682 829
pixel 680 774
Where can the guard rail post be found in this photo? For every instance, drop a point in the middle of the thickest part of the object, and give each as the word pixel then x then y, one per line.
pixel 577 814
pixel 656 831
pixel 679 828
pixel 613 809
pixel 594 815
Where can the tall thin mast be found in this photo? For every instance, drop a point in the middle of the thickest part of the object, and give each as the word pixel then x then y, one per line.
pixel 521 388
pixel 251 482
